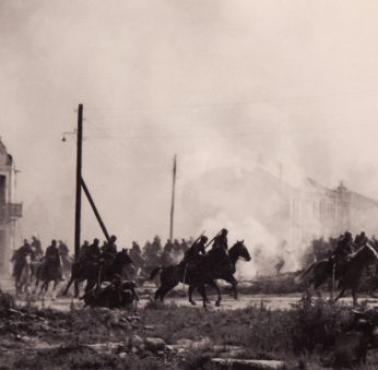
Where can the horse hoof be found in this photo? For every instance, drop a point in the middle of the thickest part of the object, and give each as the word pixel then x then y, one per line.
pixel 193 303
pixel 217 303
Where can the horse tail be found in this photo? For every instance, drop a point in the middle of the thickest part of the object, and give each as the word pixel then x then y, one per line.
pixel 298 279
pixel 155 272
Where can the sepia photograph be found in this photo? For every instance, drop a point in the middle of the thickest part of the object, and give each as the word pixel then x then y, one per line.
pixel 188 184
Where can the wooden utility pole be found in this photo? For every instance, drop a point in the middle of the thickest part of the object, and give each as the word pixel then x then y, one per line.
pixel 78 179
pixel 95 210
pixel 173 198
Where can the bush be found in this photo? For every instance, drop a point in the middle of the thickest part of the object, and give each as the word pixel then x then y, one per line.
pixel 6 301
pixel 316 323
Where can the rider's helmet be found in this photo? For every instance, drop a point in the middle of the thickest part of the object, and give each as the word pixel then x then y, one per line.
pixel 348 235
pixel 224 232
pixel 204 239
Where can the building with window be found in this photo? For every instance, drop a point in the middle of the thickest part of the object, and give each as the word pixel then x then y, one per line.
pixel 9 211
pixel 317 211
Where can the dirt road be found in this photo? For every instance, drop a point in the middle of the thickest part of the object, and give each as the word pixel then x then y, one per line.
pixel 272 302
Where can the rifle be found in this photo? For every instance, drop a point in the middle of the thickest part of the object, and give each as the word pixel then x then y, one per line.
pixel 208 244
pixel 203 232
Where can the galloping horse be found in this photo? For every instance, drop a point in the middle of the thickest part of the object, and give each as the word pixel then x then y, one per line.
pixel 95 272
pixel 46 273
pixel 217 264
pixel 348 277
pixel 24 278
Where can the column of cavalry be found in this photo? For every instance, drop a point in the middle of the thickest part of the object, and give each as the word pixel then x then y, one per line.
pixel 343 266
pixel 198 268
pixel 96 265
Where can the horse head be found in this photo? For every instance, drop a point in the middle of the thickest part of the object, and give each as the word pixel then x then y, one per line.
pixel 371 251
pixel 365 254
pixel 239 250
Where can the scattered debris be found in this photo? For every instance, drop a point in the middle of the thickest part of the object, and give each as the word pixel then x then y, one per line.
pixel 230 364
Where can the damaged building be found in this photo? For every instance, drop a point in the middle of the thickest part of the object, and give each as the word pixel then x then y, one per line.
pixel 292 214
pixel 10 211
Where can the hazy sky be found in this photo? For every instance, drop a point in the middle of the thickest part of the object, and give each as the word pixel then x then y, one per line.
pixel 221 83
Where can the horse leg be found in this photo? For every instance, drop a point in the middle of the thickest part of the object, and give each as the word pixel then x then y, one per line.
pixel 234 284
pixel 341 294
pixel 76 288
pixel 68 286
pixel 158 294
pixel 90 285
pixel 54 292
pixel 202 291
pixel 215 285
pixel 191 290
pixel 354 295
pixel 316 285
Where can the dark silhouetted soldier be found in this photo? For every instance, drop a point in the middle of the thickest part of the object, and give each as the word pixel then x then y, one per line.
pixel 52 258
pixel 63 249
pixel 344 246
pixel 343 249
pixel 111 247
pixel 19 258
pixel 360 240
pixel 196 251
pixel 36 245
pixel 109 252
pixel 84 251
pixel 220 241
pixel 94 251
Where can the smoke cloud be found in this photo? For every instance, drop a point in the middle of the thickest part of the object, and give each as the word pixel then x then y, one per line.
pixel 287 85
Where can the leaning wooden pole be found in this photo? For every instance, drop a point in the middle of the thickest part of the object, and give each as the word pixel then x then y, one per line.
pixel 95 210
pixel 172 213
pixel 78 179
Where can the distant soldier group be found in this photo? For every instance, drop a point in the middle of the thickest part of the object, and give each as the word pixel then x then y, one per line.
pixel 104 254
pixel 93 252
pixel 52 257
pixel 345 246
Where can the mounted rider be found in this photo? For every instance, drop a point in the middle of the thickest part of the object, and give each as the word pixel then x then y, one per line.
pixel 52 259
pixel 110 248
pixel 36 246
pixel 196 251
pixel 220 240
pixel 19 258
pixel 93 251
pixel 342 252
pixel 84 251
pixel 109 252
pixel 360 240
pixel 63 249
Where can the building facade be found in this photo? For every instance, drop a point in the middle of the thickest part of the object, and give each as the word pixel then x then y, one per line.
pixel 316 211
pixel 287 213
pixel 9 211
